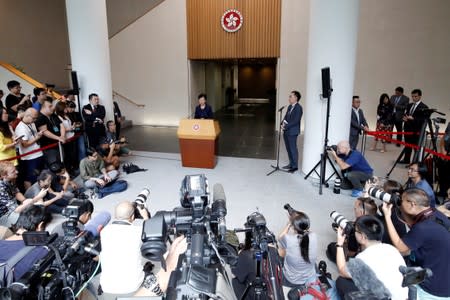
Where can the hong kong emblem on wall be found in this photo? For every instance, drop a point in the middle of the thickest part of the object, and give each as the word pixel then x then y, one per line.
pixel 231 20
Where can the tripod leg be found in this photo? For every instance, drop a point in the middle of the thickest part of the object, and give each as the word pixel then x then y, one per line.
pixel 396 162
pixel 313 169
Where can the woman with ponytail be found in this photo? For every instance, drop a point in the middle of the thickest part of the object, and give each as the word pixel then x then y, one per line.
pixel 298 246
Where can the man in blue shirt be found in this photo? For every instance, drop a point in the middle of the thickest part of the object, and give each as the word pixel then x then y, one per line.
pixel 353 165
pixel 416 179
pixel 427 242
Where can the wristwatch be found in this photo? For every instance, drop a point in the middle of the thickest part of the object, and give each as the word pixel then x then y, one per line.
pixel 339 246
pixel 151 284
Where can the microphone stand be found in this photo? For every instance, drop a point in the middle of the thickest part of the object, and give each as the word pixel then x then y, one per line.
pixel 277 167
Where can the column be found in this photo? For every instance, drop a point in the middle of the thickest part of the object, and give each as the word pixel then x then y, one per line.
pixel 89 50
pixel 332 43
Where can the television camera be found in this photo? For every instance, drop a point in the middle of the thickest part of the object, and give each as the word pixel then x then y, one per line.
pixel 201 270
pixel 65 271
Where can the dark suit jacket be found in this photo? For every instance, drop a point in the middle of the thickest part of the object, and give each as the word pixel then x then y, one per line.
pixel 205 113
pixel 292 119
pixel 419 117
pixel 355 127
pixel 400 108
pixel 89 119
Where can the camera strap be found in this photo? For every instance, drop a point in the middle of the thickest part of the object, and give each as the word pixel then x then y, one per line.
pixel 119 222
pixel 429 213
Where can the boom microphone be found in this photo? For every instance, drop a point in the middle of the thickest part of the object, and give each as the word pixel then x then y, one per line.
pixel 219 209
pixel 96 224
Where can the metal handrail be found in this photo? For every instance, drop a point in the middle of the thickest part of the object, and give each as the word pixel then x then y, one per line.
pixel 127 99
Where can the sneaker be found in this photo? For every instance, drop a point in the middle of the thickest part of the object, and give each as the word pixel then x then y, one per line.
pixel 357 193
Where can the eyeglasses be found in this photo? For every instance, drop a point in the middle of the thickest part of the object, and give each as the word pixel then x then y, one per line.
pixel 412 170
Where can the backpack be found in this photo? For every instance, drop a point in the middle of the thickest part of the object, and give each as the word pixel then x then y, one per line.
pixel 115 187
pixel 7 267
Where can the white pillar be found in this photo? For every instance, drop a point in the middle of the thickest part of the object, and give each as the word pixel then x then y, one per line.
pixel 89 50
pixel 333 32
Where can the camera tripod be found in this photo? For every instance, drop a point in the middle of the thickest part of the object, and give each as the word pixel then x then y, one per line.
pixel 277 167
pixel 258 284
pixel 324 155
pixel 419 154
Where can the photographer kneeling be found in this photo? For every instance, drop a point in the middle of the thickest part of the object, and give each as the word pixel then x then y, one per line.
pixel 427 242
pixel 354 166
pixel 122 263
pixel 375 269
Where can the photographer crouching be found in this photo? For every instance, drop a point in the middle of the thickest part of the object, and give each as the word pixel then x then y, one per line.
pixel 354 166
pixel 376 269
pixel 124 270
pixel 427 242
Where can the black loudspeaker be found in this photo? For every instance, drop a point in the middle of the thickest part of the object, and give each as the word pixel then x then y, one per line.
pixel 326 86
pixel 75 86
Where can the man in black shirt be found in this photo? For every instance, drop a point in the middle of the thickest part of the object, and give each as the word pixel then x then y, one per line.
pixel 49 124
pixel 15 98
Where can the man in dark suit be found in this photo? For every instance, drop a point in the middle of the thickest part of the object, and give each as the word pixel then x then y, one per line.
pixel 94 115
pixel 414 117
pixel 400 102
pixel 291 128
pixel 358 122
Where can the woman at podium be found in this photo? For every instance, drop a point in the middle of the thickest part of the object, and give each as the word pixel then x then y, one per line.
pixel 203 110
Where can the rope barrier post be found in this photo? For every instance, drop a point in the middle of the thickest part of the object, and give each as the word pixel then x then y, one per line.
pixel 363 143
pixel 61 156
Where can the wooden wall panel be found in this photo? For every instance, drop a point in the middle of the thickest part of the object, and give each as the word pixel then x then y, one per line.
pixel 258 37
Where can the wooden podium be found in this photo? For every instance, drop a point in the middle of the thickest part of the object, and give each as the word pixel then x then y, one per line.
pixel 198 142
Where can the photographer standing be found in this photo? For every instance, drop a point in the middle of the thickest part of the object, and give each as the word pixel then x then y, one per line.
pixel 354 167
pixel 427 242
pixel 375 269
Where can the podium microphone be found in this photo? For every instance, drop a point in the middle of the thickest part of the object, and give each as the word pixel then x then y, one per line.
pixel 281 108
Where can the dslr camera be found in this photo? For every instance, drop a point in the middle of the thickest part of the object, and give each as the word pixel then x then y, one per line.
pixel 332 147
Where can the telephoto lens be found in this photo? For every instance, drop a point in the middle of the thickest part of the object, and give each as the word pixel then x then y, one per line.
pixel 384 196
pixel 342 222
pixel 337 185
pixel 289 208
pixel 141 202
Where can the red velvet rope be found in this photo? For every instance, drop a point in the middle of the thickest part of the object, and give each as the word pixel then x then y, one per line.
pixel 382 135
pixel 41 149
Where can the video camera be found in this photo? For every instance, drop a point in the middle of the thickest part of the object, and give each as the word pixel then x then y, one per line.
pixel 268 265
pixel 204 229
pixel 64 271
pixel 439 120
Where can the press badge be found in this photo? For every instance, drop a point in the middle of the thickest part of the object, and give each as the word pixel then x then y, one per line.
pixel 55 129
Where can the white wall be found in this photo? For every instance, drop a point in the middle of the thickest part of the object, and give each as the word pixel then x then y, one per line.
pixel 403 43
pixel 149 65
pixel 292 64
pixel 6 75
